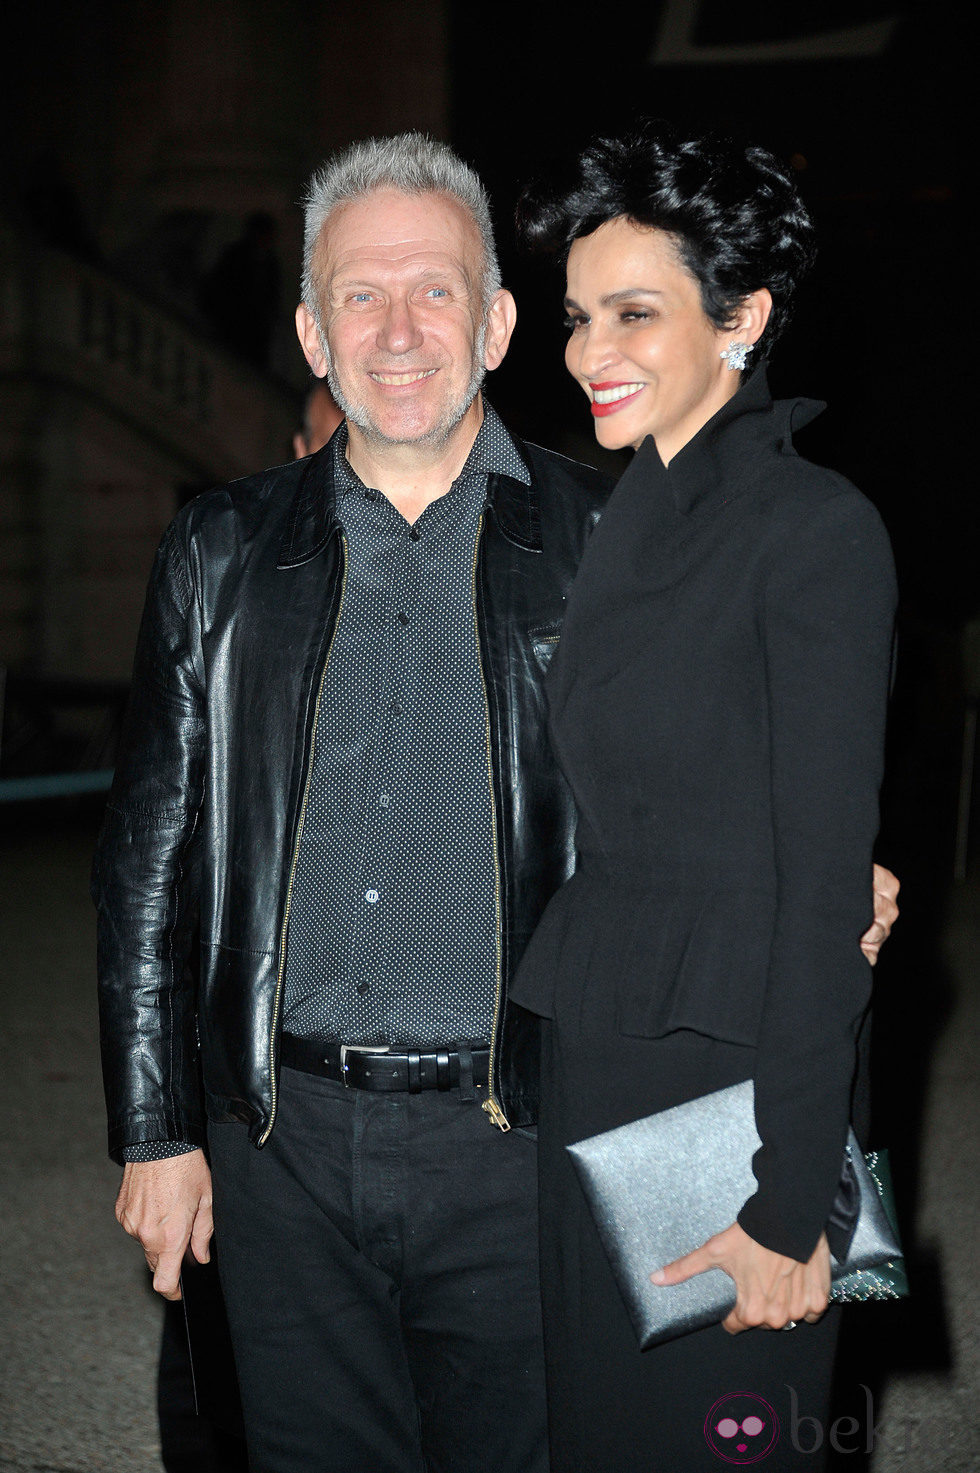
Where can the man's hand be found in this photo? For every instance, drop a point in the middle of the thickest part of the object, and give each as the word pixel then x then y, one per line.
pixel 166 1205
pixel 885 889
pixel 770 1291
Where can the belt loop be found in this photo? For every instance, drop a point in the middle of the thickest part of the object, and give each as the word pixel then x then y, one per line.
pixel 414 1072
pixel 444 1077
pixel 467 1091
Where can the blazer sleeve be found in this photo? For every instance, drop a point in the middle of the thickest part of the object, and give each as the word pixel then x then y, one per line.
pixel 828 615
pixel 144 880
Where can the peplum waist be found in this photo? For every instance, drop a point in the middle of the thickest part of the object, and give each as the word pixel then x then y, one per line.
pixel 676 945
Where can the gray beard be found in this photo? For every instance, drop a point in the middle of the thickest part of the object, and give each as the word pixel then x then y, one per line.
pixel 359 415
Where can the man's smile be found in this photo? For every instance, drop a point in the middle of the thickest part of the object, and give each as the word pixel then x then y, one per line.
pixel 397 379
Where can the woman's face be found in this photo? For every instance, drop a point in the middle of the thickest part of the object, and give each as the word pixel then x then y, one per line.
pixel 640 344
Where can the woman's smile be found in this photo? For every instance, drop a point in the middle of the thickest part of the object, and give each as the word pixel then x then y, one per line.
pixel 607 398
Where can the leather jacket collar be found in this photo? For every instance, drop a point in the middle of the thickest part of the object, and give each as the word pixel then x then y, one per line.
pixel 312 517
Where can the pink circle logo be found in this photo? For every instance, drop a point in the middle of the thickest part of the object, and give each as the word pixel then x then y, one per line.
pixel 741 1428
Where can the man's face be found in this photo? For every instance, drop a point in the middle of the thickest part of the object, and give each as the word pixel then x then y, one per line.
pixel 402 315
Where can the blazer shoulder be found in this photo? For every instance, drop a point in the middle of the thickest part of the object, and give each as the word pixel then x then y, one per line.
pixel 820 530
pixel 798 491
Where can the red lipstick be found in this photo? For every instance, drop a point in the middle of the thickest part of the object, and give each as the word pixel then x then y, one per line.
pixel 599 411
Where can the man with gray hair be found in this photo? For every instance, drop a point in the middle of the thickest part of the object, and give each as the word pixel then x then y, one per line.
pixel 336 765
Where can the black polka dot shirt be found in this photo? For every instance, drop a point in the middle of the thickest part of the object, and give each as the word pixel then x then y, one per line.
pixel 393 926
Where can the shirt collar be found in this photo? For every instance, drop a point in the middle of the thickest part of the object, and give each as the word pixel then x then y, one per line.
pixel 511 492
pixel 493 453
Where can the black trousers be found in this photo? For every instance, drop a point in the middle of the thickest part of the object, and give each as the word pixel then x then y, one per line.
pixel 379 1263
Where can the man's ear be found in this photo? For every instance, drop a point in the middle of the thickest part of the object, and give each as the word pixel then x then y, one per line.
pixel 501 319
pixel 309 340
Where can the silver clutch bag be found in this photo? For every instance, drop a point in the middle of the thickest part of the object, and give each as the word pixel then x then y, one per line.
pixel 660 1187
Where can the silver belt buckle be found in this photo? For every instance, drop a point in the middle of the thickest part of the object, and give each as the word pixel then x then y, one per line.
pixel 359 1048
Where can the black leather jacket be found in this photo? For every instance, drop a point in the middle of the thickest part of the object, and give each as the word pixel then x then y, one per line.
pixel 204 821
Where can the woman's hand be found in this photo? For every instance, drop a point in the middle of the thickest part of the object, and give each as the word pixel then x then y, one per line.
pixel 771 1291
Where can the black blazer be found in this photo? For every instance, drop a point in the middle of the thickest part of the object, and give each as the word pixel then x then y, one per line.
pixel 718 705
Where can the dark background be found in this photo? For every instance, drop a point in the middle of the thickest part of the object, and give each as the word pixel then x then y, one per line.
pixel 880 142
pixel 136 138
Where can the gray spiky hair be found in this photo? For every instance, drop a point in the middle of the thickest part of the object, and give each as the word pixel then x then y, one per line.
pixel 411 163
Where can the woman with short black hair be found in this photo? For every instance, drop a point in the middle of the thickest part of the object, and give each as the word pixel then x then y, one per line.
pixel 717 705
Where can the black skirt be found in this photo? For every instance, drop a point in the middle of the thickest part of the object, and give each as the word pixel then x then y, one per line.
pixel 671 1409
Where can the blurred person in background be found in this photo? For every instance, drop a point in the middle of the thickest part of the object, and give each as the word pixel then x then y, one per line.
pixel 240 295
pixel 321 416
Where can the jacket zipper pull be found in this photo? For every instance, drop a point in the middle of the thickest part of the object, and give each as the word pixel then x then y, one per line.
pixel 496 1114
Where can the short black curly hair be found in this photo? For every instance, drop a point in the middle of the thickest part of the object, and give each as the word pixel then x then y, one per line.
pixel 733 210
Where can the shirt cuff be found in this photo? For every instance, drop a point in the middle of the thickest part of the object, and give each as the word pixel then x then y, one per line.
pixel 157 1150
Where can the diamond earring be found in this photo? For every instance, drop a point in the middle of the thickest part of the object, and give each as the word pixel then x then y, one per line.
pixel 737 354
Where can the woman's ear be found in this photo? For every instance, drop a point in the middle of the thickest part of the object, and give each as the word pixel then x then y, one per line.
pixel 753 314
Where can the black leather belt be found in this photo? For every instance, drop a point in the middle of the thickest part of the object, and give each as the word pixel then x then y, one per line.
pixel 360 1067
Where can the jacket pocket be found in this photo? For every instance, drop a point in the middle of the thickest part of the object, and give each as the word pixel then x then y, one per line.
pixel 234 1025
pixel 544 639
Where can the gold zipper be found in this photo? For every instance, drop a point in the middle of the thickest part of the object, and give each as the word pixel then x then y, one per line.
pixel 490 1104
pixel 292 871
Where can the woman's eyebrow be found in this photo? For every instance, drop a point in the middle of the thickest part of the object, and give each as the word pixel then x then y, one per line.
pixel 610 299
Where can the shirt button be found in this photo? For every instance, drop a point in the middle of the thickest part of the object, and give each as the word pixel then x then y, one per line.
pixel 415 534
pixel 363 987
pixel 384 800
pixel 372 897
pixel 402 617
pixel 395 707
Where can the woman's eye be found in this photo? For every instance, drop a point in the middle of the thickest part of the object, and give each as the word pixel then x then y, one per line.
pixel 637 314
pixel 573 323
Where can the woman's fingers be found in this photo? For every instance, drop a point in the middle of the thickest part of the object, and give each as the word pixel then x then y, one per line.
pixel 771 1290
pixel 684 1268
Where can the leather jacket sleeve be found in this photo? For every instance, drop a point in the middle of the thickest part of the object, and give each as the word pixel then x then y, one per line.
pixel 144 880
